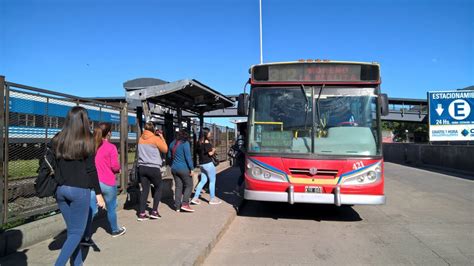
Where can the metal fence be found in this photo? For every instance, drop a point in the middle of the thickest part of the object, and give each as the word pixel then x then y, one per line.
pixel 29 118
pixel 223 139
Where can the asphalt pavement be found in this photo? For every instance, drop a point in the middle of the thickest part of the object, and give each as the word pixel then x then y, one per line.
pixel 178 238
pixel 428 220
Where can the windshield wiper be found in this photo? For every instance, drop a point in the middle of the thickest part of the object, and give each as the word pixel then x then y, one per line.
pixel 306 107
pixel 318 110
pixel 317 102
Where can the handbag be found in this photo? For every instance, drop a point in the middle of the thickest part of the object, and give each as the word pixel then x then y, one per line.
pixel 215 160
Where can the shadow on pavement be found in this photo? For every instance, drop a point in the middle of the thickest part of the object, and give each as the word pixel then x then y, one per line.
pixel 58 241
pixel 226 182
pixel 316 212
pixel 11 241
pixel 226 190
pixel 133 199
pixel 99 222
pixel 18 258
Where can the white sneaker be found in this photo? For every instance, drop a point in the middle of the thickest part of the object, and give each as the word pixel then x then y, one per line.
pixel 195 201
pixel 215 201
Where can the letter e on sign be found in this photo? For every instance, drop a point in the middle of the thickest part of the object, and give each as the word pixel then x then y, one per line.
pixel 459 109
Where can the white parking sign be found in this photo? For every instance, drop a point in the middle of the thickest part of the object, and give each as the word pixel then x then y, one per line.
pixel 451 115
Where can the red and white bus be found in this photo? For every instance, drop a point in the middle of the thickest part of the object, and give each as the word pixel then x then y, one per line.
pixel 314 133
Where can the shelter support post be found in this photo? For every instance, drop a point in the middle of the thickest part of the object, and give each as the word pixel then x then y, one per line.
pixel 169 128
pixel 195 132
pixel 124 146
pixel 146 111
pixel 179 114
pixel 201 122
pixel 139 122
pixel 198 134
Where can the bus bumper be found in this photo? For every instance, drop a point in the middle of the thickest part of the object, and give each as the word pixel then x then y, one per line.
pixel 323 198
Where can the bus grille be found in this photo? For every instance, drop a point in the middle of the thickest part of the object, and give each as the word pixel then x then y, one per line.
pixel 321 173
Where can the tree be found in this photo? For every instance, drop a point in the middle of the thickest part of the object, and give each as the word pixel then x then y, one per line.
pixel 399 129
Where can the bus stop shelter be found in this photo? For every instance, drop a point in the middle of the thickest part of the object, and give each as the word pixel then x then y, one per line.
pixel 187 95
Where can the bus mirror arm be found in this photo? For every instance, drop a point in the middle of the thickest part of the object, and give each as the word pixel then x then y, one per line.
pixel 383 103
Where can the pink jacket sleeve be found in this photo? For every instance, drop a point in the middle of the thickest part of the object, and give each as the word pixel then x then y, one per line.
pixel 114 161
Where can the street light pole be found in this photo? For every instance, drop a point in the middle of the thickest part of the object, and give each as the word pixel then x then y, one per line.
pixel 261 41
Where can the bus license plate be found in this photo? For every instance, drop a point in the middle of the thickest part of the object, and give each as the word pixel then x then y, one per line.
pixel 313 189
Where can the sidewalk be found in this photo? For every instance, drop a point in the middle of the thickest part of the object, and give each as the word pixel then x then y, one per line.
pixel 177 239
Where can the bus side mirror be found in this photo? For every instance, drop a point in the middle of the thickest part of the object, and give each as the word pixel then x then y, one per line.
pixel 243 104
pixel 383 102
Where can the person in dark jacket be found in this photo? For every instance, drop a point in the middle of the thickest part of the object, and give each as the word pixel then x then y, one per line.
pixel 208 170
pixel 239 156
pixel 181 168
pixel 74 151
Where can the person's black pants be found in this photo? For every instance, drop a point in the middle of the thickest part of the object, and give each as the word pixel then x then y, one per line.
pixel 182 178
pixel 150 175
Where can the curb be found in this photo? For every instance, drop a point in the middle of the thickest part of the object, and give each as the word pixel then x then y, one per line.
pixel 205 253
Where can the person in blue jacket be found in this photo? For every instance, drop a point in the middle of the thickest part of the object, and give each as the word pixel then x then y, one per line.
pixel 181 168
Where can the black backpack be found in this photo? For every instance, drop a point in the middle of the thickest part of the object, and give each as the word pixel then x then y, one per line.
pixel 48 176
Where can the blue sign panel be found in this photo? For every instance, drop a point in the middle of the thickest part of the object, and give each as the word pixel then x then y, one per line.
pixel 451 115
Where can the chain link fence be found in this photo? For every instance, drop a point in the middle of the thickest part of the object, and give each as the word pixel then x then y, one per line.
pixel 223 139
pixel 30 118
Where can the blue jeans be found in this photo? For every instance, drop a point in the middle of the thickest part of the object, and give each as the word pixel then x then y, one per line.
pixel 74 205
pixel 208 170
pixel 110 196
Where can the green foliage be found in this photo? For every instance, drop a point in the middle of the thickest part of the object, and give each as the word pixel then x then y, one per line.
pixel 399 129
pixel 22 168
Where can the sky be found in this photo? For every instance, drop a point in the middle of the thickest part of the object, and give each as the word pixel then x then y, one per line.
pixel 89 48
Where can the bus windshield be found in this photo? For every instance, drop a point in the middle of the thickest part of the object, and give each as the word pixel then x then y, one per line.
pixel 294 120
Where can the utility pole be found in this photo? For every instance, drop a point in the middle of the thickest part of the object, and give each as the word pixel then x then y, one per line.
pixel 261 40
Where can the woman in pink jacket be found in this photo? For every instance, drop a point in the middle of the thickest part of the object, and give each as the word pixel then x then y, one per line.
pixel 107 164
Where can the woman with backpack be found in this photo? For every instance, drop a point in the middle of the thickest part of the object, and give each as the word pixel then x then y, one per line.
pixel 73 147
pixel 208 170
pixel 181 168
pixel 107 164
pixel 150 147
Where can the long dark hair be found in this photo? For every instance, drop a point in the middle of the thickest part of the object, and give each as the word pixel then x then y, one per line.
pixel 100 133
pixel 75 141
pixel 182 135
pixel 204 133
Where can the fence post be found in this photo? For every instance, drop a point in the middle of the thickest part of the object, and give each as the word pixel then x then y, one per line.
pixel 124 146
pixel 214 138
pixel 2 143
pixel 226 143
pixel 195 139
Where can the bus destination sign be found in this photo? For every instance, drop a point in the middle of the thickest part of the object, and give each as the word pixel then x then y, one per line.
pixel 315 72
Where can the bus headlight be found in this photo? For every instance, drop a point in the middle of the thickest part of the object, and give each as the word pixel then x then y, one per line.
pixel 364 176
pixel 259 172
